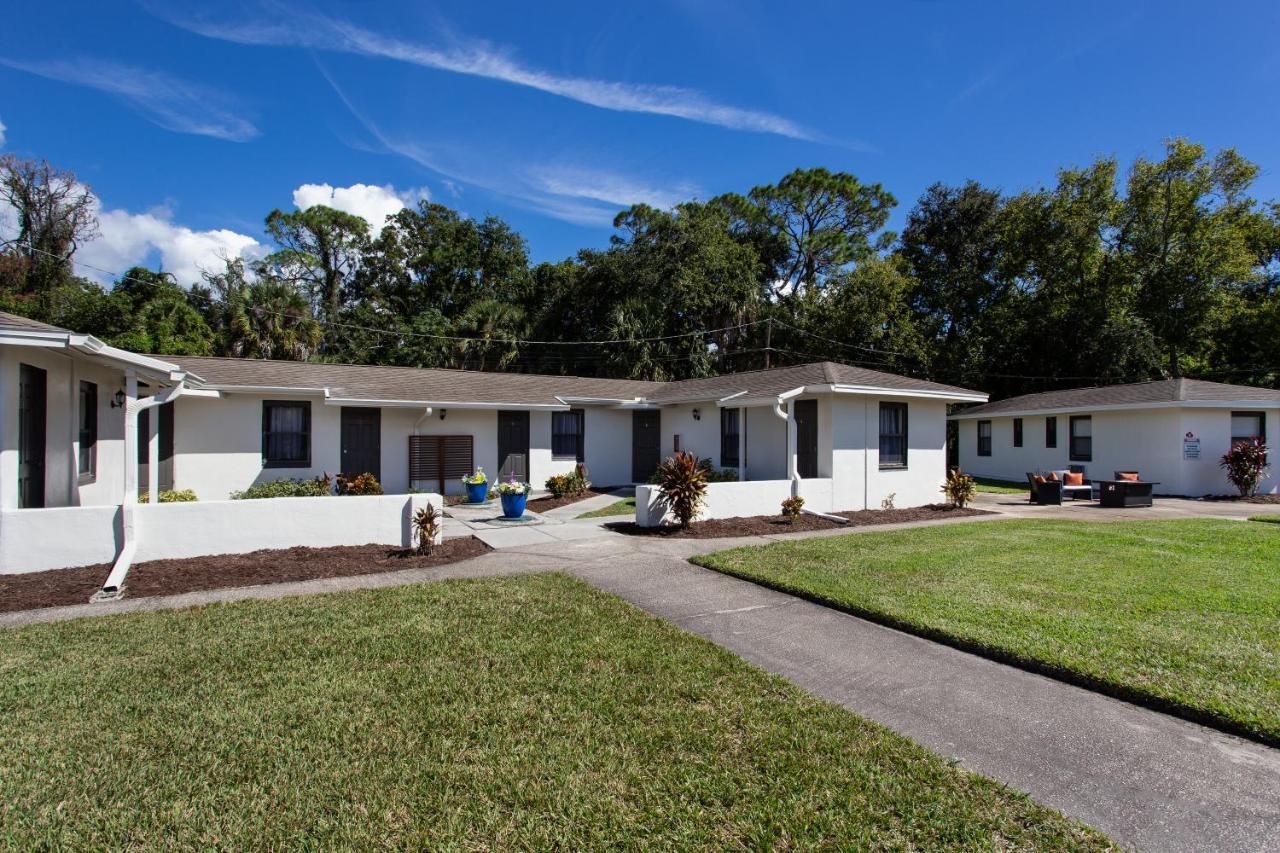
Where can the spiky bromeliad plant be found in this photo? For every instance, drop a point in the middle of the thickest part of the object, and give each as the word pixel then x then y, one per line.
pixel 684 486
pixel 426 526
pixel 1246 465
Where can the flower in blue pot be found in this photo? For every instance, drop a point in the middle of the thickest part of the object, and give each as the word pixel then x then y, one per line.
pixel 514 495
pixel 477 486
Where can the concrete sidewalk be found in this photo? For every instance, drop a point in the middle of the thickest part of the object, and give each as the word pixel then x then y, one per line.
pixel 1147 779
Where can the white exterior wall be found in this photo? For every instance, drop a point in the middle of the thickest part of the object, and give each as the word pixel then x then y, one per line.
pixel 766 444
pixel 37 539
pixel 1149 441
pixel 62 440
pixel 735 500
pixel 608 451
pixel 700 437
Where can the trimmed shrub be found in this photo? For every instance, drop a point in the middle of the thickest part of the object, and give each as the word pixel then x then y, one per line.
pixel 286 488
pixel 569 485
pixel 361 484
pixel 791 508
pixel 959 488
pixel 684 486
pixel 170 496
pixel 1246 465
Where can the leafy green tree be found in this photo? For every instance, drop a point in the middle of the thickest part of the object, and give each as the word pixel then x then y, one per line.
pixel 1185 238
pixel 811 224
pixel 262 317
pixel 320 251
pixel 147 311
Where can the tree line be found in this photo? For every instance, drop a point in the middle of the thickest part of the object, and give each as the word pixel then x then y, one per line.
pixel 1170 268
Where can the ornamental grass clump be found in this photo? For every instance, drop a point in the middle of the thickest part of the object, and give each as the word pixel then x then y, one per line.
pixel 684 486
pixel 1246 465
pixel 959 488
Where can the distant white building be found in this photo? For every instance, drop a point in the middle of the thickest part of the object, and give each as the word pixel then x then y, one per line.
pixel 1171 431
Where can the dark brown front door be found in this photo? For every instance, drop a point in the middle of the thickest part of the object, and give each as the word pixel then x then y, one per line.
pixel 646 444
pixel 513 446
pixel 361 441
pixel 32 411
pixel 165 479
pixel 806 438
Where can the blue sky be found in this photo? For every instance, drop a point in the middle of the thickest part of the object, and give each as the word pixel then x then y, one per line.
pixel 192 121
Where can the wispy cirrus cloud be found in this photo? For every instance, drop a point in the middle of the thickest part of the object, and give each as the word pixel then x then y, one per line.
pixel 167 101
pixel 607 186
pixel 481 59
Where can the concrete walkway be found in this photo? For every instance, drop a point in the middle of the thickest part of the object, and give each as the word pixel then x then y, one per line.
pixel 555 525
pixel 1149 780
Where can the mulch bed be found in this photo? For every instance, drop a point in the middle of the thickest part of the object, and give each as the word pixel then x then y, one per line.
pixel 1251 499
pixel 169 577
pixel 544 504
pixel 760 525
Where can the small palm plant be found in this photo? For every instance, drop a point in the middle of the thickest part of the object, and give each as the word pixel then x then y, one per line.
pixel 684 486
pixel 426 526
pixel 959 488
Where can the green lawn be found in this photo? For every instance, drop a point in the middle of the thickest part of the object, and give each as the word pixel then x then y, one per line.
pixel 1181 612
pixel 1000 487
pixel 626 506
pixel 509 713
pixel 1266 519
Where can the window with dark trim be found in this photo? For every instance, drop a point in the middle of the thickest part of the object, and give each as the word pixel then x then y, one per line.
pixel 984 438
pixel 567 433
pixel 893 435
pixel 1050 432
pixel 1081 447
pixel 286 434
pixel 1017 432
pixel 87 452
pixel 1246 426
pixel 729 433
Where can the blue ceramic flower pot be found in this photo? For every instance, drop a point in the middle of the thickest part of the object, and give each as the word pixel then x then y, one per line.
pixel 477 492
pixel 513 505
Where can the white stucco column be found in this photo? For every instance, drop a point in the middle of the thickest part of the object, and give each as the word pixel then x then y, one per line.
pixel 793 466
pixel 742 444
pixel 153 455
pixel 130 495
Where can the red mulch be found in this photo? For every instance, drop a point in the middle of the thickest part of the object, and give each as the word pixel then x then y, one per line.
pixel 759 525
pixel 544 504
pixel 168 577
pixel 1251 499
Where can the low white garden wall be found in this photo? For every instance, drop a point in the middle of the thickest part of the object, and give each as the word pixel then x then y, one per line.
pixel 36 539
pixel 735 500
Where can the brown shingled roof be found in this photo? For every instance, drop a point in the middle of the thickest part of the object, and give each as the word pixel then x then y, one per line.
pixel 1136 395
pixel 26 324
pixel 411 384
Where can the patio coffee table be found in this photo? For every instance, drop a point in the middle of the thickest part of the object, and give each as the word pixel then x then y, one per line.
pixel 1125 493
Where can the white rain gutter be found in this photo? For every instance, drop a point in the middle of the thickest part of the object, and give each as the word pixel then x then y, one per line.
pixel 113 588
pixel 793 471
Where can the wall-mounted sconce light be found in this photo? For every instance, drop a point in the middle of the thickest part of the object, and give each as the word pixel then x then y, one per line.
pixel 697 415
pixel 118 401
pixel 443 412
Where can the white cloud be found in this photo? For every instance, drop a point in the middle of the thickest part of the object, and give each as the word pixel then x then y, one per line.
pixel 611 187
pixel 172 103
pixel 129 239
pixel 479 59
pixel 368 201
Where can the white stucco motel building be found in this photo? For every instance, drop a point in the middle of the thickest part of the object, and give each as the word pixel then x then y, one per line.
pixel 87 427
pixel 1172 432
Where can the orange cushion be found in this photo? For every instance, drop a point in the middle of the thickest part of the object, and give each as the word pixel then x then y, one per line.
pixel 1053 477
pixel 1038 480
pixel 1074 478
pixel 1128 476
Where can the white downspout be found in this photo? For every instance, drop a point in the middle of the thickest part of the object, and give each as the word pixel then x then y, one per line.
pixel 153 458
pixel 793 470
pixel 114 586
pixel 742 444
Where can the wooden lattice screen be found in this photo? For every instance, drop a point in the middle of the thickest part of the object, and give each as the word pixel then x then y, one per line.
pixel 440 457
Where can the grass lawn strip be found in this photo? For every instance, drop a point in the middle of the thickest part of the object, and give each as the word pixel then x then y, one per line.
pixel 626 506
pixel 1180 614
pixel 1000 487
pixel 526 712
pixel 1266 519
